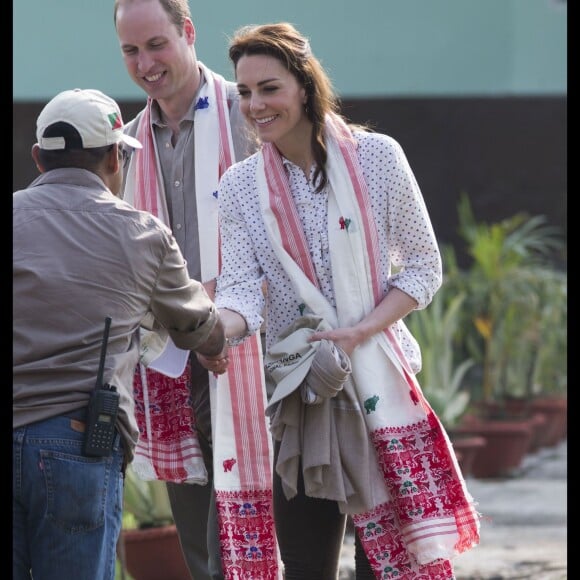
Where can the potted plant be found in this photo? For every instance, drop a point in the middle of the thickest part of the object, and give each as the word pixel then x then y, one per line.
pixel 549 376
pixel 149 547
pixel 501 286
pixel 550 370
pixel 442 376
pixel 500 326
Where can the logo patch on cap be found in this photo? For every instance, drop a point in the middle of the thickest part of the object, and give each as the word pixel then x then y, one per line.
pixel 115 120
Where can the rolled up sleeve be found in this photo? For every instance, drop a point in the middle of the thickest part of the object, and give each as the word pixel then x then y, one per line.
pixel 180 304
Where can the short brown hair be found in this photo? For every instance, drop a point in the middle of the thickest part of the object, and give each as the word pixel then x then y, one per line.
pixel 178 11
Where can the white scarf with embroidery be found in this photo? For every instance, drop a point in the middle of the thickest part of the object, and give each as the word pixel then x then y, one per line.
pixel 242 446
pixel 427 525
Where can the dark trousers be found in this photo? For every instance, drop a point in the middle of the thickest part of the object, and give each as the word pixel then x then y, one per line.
pixel 193 506
pixel 310 534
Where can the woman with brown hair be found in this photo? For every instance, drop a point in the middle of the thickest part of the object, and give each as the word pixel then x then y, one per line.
pixel 331 217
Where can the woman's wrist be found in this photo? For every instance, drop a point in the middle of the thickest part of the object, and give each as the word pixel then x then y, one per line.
pixel 235 326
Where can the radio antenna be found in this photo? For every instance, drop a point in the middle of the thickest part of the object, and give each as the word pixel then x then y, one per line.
pixel 99 382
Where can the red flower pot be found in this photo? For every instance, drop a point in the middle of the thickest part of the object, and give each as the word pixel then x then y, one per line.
pixel 154 554
pixel 507 443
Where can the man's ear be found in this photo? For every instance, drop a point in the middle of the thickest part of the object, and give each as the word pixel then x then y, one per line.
pixel 114 159
pixel 35 157
pixel 189 31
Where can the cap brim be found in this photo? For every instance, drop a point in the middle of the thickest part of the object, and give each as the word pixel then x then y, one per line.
pixel 131 141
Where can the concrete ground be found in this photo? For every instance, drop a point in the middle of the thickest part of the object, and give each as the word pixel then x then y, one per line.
pixel 524 525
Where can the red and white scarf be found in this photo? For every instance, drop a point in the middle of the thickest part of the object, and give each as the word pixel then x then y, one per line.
pixel 422 514
pixel 168 448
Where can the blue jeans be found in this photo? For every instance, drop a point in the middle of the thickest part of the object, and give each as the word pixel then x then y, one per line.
pixel 67 508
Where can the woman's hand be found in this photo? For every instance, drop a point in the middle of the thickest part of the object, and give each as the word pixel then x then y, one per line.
pixel 210 286
pixel 346 338
pixel 394 306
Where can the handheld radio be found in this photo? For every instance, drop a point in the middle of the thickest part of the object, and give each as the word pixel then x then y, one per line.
pixel 102 410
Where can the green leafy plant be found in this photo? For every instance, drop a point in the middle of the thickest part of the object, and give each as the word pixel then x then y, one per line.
pixel 550 375
pixel 146 503
pixel 149 545
pixel 441 376
pixel 503 302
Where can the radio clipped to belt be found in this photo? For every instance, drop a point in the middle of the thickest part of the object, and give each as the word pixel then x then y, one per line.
pixel 102 410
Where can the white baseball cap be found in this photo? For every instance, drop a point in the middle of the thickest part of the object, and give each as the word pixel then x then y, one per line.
pixel 81 119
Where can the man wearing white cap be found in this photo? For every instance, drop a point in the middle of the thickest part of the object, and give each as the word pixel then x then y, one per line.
pixel 88 270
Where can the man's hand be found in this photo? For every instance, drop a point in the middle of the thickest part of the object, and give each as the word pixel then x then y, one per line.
pixel 217 364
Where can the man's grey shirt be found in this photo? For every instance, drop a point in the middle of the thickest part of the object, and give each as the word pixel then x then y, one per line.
pixel 81 254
